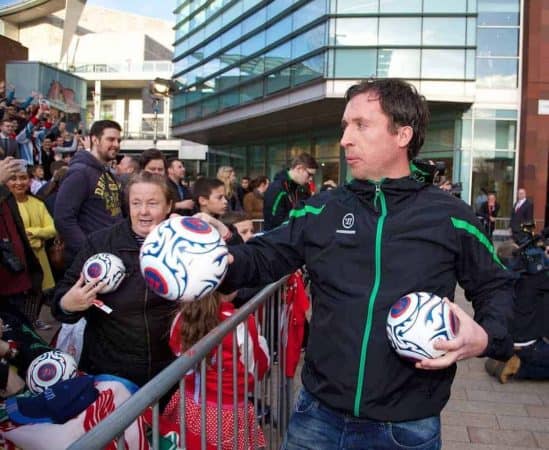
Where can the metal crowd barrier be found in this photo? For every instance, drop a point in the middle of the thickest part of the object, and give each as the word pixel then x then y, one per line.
pixel 275 391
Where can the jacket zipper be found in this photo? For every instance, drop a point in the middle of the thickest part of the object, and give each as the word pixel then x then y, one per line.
pixel 149 368
pixel 378 199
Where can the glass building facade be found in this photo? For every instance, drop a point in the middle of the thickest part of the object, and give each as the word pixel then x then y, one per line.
pixel 248 55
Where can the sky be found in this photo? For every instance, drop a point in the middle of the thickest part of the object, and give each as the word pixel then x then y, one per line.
pixel 160 9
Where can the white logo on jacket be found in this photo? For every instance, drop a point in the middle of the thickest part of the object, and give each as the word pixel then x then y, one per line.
pixel 347 223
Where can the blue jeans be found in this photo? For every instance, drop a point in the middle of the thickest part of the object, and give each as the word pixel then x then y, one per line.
pixel 315 426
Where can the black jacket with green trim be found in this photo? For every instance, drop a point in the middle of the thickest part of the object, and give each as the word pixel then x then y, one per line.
pixel 365 246
pixel 281 197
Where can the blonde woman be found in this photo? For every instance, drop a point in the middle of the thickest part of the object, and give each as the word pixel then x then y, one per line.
pixel 227 175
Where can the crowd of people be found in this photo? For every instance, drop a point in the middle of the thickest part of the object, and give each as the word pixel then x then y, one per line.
pixel 364 244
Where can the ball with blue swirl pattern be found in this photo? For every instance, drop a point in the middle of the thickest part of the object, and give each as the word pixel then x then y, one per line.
pixel 416 321
pixel 50 368
pixel 106 268
pixel 183 259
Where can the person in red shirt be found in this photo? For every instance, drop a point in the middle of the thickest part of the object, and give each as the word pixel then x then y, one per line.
pixel 194 321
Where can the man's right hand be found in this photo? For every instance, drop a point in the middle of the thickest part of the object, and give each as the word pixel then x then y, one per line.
pixel 81 296
pixel 8 168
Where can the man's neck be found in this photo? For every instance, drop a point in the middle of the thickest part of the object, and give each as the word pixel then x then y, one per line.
pixel 174 179
pixel 96 155
pixel 4 135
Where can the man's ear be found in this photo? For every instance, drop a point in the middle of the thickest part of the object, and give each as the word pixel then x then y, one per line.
pixel 94 141
pixel 405 135
pixel 202 201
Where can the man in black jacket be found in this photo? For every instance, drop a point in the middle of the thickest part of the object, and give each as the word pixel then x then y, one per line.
pixel 365 245
pixel 523 213
pixel 288 188
pixel 89 198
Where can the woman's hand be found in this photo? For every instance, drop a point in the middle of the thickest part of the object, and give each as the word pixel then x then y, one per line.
pixel 81 296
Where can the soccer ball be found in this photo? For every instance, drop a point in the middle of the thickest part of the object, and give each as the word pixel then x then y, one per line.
pixel 50 368
pixel 104 267
pixel 183 258
pixel 416 321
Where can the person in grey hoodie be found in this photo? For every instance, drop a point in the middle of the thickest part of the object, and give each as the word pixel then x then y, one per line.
pixel 90 197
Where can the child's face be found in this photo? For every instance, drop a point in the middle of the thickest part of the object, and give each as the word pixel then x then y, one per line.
pixel 245 229
pixel 216 203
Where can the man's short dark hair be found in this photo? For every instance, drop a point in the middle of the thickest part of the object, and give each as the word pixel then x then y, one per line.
pixel 304 159
pixel 149 155
pixel 100 126
pixel 402 104
pixel 172 160
pixel 203 187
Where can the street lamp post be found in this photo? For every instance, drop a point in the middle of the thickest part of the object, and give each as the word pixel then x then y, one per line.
pixel 155 105
pixel 159 89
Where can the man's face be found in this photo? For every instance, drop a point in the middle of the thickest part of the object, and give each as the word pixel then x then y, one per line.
pixel 155 166
pixel 245 183
pixel 491 198
pixel 371 149
pixel 11 111
pixel 245 229
pixel 125 166
pixel 46 144
pixel 176 170
pixel 216 203
pixel 107 146
pixel 7 127
pixel 303 175
pixel 521 194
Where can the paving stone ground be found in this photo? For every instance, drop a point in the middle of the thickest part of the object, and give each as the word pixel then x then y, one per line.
pixel 483 414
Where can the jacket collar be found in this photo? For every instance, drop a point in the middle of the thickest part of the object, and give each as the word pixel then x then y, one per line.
pixel 395 190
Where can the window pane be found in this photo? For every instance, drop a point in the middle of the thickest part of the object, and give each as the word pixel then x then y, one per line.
pixel 253 44
pixel 399 6
pixel 498 12
pixel 308 42
pixel 471 31
pixel 279 30
pixel 497 73
pixel 494 171
pixel 495 134
pixel 497 42
pixel 400 31
pixel 445 64
pixel 361 31
pixel 307 13
pixel 277 7
pixel 398 63
pixel 355 63
pixel 278 80
pixel 210 106
pixel 254 21
pixel 251 91
pixel 438 6
pixel 252 68
pixel 278 56
pixel 470 64
pixel 357 6
pixel 443 31
pixel 308 70
pixel 230 98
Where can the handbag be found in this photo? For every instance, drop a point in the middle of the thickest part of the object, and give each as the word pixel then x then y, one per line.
pixel 56 254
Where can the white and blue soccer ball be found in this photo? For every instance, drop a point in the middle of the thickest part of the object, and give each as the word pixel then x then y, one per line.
pixel 50 368
pixel 183 259
pixel 416 321
pixel 104 267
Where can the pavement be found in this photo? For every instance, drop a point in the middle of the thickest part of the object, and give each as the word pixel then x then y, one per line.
pixel 482 414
